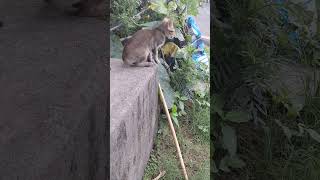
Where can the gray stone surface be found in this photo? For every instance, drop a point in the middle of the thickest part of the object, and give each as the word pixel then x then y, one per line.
pixel 134 114
pixel 53 94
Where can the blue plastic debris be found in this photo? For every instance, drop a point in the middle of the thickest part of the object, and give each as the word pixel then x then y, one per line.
pixel 199 55
pixel 284 16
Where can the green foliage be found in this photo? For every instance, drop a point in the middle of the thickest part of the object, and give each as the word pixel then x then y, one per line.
pixel 178 109
pixel 116 47
pixel 184 77
pixel 177 10
pixel 229 139
pixel 123 11
pixel 200 117
pixel 273 134
pixel 203 173
pixel 152 168
pixel 237 116
pixel 164 81
pixel 164 156
pixel 191 6
pixel 191 83
pixel 172 167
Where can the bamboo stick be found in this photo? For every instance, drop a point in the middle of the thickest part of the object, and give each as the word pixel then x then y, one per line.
pixel 162 173
pixel 173 133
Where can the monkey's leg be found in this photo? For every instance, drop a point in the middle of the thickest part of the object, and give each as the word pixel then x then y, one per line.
pixel 144 64
pixel 149 59
pixel 156 60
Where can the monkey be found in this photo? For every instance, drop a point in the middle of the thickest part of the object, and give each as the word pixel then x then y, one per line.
pixel 146 42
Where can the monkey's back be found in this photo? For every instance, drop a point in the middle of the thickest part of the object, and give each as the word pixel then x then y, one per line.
pixel 138 46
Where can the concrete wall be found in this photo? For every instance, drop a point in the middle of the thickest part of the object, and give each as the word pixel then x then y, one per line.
pixel 53 95
pixel 134 114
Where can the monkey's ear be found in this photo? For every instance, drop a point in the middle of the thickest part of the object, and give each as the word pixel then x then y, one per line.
pixel 166 19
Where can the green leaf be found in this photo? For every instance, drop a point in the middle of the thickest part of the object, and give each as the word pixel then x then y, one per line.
pixel 116 47
pixel 182 53
pixel 206 103
pixel 159 6
pixel 237 116
pixel 175 120
pixel 231 161
pixel 181 105
pixel 236 162
pixel 183 113
pixel 174 109
pixel 314 134
pixel 285 129
pixel 172 6
pixel 301 129
pixel 204 129
pixel 183 98
pixel 214 169
pixel 175 114
pixel 229 139
pixel 292 112
pixel 200 88
pixel 164 81
pixel 218 103
pixel 224 164
pixel 151 24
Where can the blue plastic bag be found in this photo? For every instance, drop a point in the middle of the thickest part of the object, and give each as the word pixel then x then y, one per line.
pixel 199 55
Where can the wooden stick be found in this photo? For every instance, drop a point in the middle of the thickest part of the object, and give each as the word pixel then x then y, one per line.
pixel 162 173
pixel 173 132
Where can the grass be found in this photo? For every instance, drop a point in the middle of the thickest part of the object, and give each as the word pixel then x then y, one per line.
pixel 195 152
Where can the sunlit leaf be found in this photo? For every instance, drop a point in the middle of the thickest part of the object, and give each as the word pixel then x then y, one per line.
pixel 224 164
pixel 172 6
pixel 151 24
pixel 183 98
pixel 285 129
pixel 313 134
pixel 214 168
pixel 159 6
pixel 236 162
pixel 175 120
pixel 229 139
pixel 181 105
pixel 237 116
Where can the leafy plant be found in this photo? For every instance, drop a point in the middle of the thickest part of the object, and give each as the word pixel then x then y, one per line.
pixel 178 108
pixel 254 40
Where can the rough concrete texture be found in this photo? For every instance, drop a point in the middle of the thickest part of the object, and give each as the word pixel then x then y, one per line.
pixel 53 94
pixel 133 123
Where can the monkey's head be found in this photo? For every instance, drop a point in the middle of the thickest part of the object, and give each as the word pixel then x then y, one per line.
pixel 168 28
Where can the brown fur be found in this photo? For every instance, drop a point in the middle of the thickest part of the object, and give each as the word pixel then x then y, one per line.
pixel 146 42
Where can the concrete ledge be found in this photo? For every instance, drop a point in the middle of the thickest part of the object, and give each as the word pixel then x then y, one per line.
pixel 134 114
